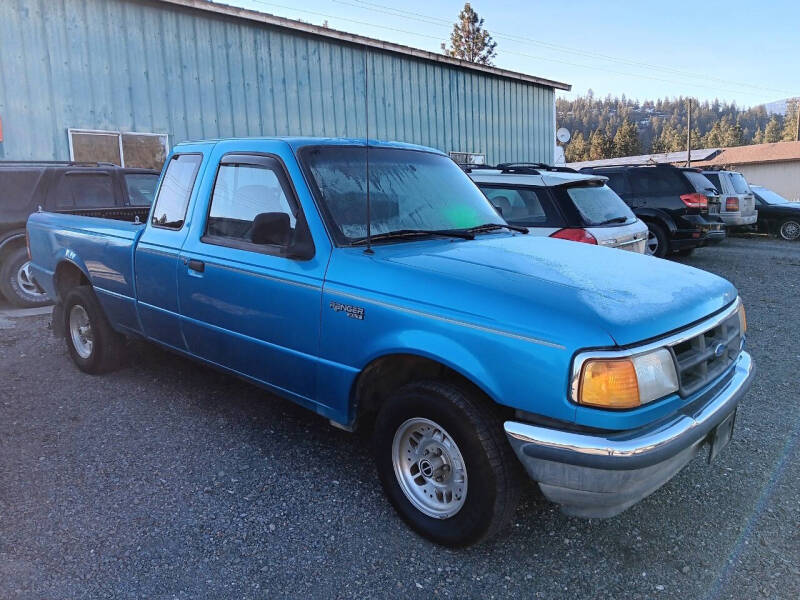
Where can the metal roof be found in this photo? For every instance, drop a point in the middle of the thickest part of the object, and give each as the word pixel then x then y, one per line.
pixel 351 38
pixel 701 154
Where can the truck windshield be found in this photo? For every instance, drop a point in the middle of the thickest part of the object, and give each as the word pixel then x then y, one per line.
pixel 409 190
pixel 600 205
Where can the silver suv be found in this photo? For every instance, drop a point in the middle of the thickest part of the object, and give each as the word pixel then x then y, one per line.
pixel 737 202
pixel 560 202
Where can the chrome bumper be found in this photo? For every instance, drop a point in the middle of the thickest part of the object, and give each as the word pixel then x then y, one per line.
pixel 738 220
pixel 596 475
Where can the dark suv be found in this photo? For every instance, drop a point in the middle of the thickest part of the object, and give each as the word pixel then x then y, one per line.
pixel 679 205
pixel 98 189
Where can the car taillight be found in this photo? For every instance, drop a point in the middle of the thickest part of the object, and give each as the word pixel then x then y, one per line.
pixel 731 204
pixel 575 235
pixel 695 200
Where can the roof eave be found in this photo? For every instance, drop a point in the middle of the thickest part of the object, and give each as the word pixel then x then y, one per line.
pixel 343 36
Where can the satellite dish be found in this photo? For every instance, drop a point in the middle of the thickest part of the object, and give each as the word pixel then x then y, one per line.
pixel 562 135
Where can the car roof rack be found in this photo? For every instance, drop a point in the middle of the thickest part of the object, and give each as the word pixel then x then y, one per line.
pixel 532 168
pixel 467 168
pixel 58 163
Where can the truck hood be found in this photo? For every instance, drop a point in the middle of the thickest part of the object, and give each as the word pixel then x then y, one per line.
pixel 556 290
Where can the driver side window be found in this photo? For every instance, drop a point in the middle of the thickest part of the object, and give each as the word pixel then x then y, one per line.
pixel 250 205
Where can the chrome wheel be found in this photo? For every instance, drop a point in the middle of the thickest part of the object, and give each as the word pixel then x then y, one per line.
pixel 429 468
pixel 80 331
pixel 652 243
pixel 790 230
pixel 25 281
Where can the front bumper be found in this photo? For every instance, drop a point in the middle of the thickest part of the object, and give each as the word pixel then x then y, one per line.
pixel 600 475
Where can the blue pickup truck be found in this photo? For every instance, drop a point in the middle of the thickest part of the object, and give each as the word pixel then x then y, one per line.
pixel 471 349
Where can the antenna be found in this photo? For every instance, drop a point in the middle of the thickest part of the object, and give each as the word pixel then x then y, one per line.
pixel 368 249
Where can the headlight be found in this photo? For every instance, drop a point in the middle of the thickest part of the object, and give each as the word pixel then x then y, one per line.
pixel 626 382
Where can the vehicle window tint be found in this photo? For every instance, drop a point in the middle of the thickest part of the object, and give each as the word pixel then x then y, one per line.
pixel 653 181
pixel 714 179
pixel 87 190
pixel 618 182
pixel 141 188
pixel 17 186
pixel 702 183
pixel 599 204
pixel 739 184
pixel 249 204
pixel 521 206
pixel 175 190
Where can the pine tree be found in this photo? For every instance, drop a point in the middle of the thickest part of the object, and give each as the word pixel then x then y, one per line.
pixel 599 145
pixel 790 122
pixel 626 140
pixel 772 132
pixel 469 40
pixel 758 136
pixel 577 149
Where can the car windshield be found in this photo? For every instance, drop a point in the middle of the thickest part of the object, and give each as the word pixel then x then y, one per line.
pixel 141 188
pixel 409 191
pixel 599 204
pixel 739 184
pixel 770 197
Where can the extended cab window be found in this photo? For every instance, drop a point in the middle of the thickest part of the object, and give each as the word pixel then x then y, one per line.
pixel 250 204
pixel 175 190
pixel 86 190
pixel 522 206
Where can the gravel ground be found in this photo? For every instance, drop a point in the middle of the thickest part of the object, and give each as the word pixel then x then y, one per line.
pixel 167 480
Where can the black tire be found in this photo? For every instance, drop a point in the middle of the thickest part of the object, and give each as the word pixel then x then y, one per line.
pixel 107 346
pixel 659 234
pixel 15 284
pixel 685 252
pixel 789 229
pixel 491 466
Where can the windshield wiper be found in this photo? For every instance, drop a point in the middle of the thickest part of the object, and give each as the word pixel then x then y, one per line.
pixel 408 233
pixel 614 220
pixel 495 227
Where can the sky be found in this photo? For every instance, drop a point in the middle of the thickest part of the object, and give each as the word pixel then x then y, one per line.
pixel 742 51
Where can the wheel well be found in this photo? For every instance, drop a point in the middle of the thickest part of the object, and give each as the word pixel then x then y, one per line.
pixel 387 373
pixel 68 276
pixel 12 244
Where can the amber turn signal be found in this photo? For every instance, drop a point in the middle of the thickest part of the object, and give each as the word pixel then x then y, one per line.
pixel 609 384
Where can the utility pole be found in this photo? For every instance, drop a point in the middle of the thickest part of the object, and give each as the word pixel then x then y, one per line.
pixel 689 134
pixel 797 124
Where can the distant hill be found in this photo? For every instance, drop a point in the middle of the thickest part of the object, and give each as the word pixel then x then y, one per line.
pixel 611 127
pixel 779 107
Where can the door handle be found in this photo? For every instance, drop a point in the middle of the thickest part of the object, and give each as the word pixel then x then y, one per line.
pixel 197 265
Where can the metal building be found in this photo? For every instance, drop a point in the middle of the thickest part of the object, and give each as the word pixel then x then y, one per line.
pixel 122 80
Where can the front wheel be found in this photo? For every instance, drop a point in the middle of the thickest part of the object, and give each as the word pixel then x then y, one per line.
pixel 790 229
pixel 445 464
pixel 16 282
pixel 657 241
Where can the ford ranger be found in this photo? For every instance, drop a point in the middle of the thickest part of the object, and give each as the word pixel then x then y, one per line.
pixel 377 286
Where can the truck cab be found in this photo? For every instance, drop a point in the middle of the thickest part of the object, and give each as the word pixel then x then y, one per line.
pixel 374 284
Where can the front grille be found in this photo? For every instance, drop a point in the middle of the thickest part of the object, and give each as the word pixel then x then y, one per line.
pixel 706 356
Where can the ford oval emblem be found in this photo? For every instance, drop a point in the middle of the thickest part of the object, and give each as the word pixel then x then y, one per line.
pixel 719 350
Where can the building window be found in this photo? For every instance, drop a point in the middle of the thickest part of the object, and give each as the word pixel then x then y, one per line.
pixel 123 148
pixel 468 158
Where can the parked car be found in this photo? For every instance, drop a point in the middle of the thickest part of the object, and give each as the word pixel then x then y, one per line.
pixel 776 214
pixel 560 202
pixel 737 207
pixel 469 347
pixel 60 187
pixel 679 205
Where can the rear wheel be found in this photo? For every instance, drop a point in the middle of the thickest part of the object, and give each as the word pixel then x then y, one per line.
pixel 657 241
pixel 16 282
pixel 789 229
pixel 93 345
pixel 445 464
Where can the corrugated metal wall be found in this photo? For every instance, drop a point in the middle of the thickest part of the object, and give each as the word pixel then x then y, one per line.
pixel 128 65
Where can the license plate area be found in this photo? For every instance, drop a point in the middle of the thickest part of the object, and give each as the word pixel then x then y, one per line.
pixel 721 436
